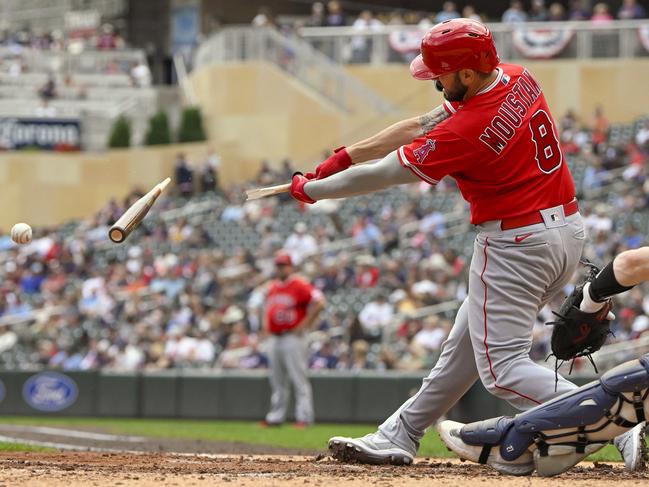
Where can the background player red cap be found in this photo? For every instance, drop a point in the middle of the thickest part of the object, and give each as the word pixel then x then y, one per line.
pixel 453 45
pixel 283 258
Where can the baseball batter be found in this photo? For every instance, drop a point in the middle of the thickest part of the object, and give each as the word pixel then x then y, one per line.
pixel 495 136
pixel 292 304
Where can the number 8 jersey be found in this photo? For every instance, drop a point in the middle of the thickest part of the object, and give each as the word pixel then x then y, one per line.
pixel 502 148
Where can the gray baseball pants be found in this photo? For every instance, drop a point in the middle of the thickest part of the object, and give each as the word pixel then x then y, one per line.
pixel 513 274
pixel 288 365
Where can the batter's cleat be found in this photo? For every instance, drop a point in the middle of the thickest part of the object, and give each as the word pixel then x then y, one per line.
pixel 301 425
pixel 373 448
pixel 268 424
pixel 633 448
pixel 449 431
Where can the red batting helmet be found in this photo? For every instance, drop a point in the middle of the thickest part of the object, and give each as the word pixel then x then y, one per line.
pixel 283 258
pixel 453 45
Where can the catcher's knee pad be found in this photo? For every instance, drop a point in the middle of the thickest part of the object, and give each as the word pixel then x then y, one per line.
pixel 578 421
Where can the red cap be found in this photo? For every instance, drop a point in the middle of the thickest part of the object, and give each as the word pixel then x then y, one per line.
pixel 283 258
pixel 453 45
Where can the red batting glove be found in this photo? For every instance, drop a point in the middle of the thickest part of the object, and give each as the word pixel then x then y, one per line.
pixel 338 161
pixel 297 188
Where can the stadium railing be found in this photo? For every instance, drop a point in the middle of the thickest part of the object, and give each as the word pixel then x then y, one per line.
pixel 84 62
pixel 541 40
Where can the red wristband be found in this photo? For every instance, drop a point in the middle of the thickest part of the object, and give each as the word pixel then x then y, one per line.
pixel 338 161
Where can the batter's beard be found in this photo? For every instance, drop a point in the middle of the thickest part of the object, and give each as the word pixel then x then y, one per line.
pixel 457 91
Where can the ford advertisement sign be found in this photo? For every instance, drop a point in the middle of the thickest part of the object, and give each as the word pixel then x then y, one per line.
pixel 50 391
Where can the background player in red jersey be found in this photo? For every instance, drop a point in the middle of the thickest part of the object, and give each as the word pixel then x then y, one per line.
pixel 495 136
pixel 292 304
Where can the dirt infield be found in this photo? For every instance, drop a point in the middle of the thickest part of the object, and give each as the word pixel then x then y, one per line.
pixel 97 469
pixel 202 463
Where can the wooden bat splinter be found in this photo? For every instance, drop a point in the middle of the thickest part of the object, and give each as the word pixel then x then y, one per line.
pixel 135 214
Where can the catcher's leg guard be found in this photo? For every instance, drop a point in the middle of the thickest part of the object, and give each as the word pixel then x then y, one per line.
pixel 573 425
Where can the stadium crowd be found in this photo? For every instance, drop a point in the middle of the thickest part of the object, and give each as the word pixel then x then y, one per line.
pixel 17 46
pixel 184 290
pixel 103 38
pixel 333 14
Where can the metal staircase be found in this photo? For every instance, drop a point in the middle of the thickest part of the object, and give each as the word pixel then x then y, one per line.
pixel 295 57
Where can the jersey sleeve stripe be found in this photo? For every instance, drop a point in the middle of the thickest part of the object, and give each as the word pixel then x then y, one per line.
pixel 406 163
pixel 449 108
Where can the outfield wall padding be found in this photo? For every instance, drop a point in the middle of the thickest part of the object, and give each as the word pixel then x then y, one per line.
pixel 345 397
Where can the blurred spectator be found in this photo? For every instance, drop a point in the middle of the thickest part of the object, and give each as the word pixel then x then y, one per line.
pixel 287 170
pixel 335 16
pixel 396 18
pixel 264 17
pixel 632 238
pixel 568 122
pixel 184 176
pixel 375 317
pixel 324 358
pixel 209 178
pixel 579 10
pixel 538 12
pixel 367 234
pixel 630 9
pixel 108 39
pixel 140 75
pixel 468 12
pixel 300 244
pixel 234 211
pixel 254 359
pixel 515 13
pixel 367 273
pixel 317 17
pixel 430 338
pixel 266 175
pixel 426 21
pixel 557 12
pixel 362 45
pixel 360 349
pixel 48 90
pixel 448 12
pixel 642 137
pixel 600 128
pixel 601 15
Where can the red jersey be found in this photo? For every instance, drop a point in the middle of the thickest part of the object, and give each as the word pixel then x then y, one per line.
pixel 286 303
pixel 502 148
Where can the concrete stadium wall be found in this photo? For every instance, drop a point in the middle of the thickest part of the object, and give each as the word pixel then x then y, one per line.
pixel 256 111
pixel 43 188
pixel 339 397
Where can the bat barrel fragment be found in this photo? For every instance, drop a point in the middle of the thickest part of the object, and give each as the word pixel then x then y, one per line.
pixel 135 214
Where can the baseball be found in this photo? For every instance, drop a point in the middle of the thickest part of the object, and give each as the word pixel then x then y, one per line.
pixel 21 233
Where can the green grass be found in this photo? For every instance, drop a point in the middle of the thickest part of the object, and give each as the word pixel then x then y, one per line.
pixel 314 438
pixel 22 447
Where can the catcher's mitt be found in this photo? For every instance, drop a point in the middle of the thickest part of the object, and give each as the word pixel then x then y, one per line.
pixel 577 333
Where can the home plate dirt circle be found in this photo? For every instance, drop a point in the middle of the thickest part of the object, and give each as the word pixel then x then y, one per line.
pixel 105 469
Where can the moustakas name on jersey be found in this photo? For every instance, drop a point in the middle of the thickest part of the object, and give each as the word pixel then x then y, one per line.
pixel 502 148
